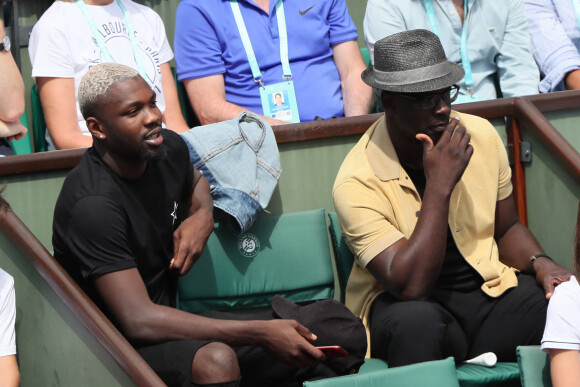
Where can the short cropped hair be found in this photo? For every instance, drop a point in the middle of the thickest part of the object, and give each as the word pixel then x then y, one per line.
pixel 97 81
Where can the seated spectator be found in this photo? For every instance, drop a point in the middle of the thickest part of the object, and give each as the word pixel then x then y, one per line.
pixel 553 26
pixel 306 51
pixel 11 96
pixel 488 40
pixel 73 36
pixel 132 217
pixel 9 374
pixel 562 334
pixel 443 266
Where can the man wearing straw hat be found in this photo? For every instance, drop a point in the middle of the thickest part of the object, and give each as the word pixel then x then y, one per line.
pixel 443 265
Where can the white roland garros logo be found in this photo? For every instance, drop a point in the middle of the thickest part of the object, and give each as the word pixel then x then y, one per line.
pixel 248 245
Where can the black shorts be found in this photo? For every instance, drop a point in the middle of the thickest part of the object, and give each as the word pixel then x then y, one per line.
pixel 172 360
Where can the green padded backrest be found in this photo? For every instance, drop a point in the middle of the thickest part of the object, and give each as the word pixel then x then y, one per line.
pixel 343 257
pixel 439 373
pixel 184 104
pixel 284 254
pixel 22 146
pixel 366 56
pixel 38 122
pixel 534 366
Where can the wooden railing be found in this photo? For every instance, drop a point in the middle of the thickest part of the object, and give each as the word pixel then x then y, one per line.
pixel 526 110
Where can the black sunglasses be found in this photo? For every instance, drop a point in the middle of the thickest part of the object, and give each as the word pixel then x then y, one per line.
pixel 430 100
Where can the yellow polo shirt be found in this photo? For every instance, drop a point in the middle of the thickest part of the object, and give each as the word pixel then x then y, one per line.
pixel 377 204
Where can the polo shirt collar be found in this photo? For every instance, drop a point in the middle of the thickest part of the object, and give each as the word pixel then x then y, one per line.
pixel 381 153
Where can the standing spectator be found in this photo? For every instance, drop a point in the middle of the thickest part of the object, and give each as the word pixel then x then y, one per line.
pixel 555 33
pixel 307 51
pixel 72 37
pixel 488 37
pixel 11 96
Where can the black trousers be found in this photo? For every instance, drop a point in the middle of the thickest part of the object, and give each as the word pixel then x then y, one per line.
pixel 458 324
pixel 172 361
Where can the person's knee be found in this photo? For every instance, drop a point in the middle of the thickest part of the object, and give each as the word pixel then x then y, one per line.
pixel 414 331
pixel 214 363
pixel 416 316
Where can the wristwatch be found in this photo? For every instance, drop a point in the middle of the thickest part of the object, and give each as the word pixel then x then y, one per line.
pixel 5 44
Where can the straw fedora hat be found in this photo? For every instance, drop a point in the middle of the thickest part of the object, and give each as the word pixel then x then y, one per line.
pixel 411 62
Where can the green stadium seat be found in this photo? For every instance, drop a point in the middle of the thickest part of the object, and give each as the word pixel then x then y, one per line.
pixel 38 122
pixel 534 366
pixel 439 373
pixel 22 146
pixel 286 254
pixel 366 56
pixel 504 374
pixel 186 109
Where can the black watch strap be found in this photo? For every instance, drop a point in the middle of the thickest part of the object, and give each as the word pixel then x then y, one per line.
pixel 533 259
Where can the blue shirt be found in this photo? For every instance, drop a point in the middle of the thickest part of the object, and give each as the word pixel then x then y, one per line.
pixel 555 40
pixel 497 39
pixel 207 42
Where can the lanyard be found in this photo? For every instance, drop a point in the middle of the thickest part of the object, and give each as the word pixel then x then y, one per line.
pixel 576 5
pixel 465 62
pixel 101 42
pixel 287 74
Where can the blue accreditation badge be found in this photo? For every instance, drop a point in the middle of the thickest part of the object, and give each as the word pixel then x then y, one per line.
pixel 279 102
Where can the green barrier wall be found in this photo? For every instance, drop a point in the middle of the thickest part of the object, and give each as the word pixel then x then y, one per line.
pixel 552 194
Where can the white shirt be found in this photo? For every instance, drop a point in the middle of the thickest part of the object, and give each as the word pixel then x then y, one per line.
pixel 563 319
pixel 62 45
pixel 7 315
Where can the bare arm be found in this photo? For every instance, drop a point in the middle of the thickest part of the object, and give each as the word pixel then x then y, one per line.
pixel 9 374
pixel 517 245
pixel 59 105
pixel 12 130
pixel 572 80
pixel 191 236
pixel 208 99
pixel 11 86
pixel 565 368
pixel 143 321
pixel 409 268
pixel 172 117
pixel 357 96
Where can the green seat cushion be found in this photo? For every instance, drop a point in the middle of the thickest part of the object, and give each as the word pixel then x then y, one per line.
pixel 433 373
pixel 503 374
pixel 475 375
pixel 534 366
pixel 372 365
pixel 284 254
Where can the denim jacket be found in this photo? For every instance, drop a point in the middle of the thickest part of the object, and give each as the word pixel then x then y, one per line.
pixel 240 159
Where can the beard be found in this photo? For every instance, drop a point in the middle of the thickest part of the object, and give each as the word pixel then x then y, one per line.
pixel 156 155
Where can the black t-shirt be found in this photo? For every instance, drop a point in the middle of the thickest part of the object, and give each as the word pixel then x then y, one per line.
pixel 105 223
pixel 456 273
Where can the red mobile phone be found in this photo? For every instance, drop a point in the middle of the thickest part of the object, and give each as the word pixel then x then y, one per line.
pixel 333 351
